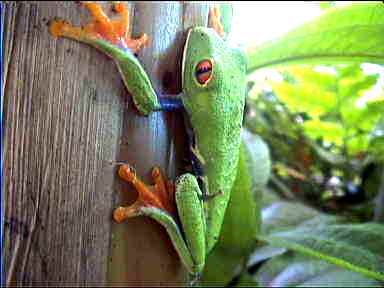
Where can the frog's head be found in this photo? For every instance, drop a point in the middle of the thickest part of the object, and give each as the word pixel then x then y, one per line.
pixel 208 60
pixel 213 75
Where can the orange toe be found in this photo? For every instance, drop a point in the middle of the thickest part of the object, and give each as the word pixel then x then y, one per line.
pixel 102 27
pixel 158 195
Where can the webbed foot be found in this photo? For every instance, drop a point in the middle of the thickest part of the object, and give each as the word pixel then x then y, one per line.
pixel 115 32
pixel 113 38
pixel 160 195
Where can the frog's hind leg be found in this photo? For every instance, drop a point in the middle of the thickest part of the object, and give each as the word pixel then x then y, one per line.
pixel 158 202
pixel 159 195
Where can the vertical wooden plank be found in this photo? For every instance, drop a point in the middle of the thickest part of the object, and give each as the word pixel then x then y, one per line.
pixel 63 116
pixel 68 118
pixel 2 267
pixel 195 14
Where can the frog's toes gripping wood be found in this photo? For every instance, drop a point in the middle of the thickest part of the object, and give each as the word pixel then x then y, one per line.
pixel 160 195
pixel 102 27
pixel 112 37
pixel 158 202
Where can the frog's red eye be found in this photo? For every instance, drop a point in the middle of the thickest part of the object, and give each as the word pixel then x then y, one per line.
pixel 204 71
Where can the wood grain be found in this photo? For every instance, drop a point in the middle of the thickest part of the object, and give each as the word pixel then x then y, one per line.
pixel 68 118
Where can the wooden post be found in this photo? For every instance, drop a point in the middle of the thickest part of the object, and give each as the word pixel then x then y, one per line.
pixel 67 118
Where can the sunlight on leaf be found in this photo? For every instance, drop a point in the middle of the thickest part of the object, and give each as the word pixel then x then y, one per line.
pixel 328 131
pixel 305 97
pixel 353 33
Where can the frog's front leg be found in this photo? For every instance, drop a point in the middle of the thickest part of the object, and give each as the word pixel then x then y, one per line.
pixel 112 38
pixel 158 202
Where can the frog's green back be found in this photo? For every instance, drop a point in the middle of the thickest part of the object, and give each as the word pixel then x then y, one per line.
pixel 215 109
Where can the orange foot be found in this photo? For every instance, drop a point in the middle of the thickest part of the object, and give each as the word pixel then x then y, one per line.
pixel 160 195
pixel 102 27
pixel 215 21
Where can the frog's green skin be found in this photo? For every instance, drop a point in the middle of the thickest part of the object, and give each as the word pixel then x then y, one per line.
pixel 215 112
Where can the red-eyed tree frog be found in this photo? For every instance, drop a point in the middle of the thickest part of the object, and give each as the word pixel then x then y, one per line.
pixel 192 208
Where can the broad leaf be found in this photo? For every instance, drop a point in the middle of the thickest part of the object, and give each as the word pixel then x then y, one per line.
pixel 293 269
pixel 263 253
pixel 281 216
pixel 353 33
pixel 259 162
pixel 332 104
pixel 307 97
pixel 376 147
pixel 358 247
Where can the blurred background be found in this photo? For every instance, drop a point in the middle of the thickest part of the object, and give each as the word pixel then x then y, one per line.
pixel 323 124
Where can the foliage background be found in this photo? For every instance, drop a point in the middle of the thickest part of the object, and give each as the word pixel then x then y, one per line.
pixel 321 121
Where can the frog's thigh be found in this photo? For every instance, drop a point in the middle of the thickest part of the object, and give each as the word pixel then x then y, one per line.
pixel 191 213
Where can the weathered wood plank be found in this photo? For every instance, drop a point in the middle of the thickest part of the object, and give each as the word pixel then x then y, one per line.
pixel 67 119
pixel 63 116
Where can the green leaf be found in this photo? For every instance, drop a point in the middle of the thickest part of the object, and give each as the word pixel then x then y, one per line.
pixel 259 162
pixel 307 97
pixel 347 34
pixel 263 253
pixel 363 118
pixel 328 131
pixel 357 144
pixel 288 225
pixel 284 215
pixel 376 147
pixel 326 4
pixel 246 280
pixel 356 86
pixel 297 270
pixel 221 267
pixel 304 74
pixel 358 247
